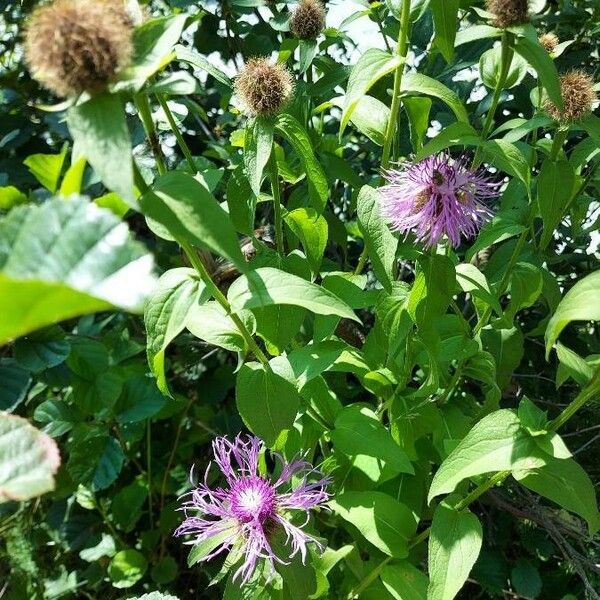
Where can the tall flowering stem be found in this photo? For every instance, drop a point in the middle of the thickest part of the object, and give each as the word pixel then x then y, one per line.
pixel 251 508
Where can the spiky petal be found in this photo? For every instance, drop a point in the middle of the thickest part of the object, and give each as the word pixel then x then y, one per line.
pixel 436 197
pixel 250 508
pixel 578 94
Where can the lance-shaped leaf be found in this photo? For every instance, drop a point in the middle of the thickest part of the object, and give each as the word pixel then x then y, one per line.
pixel 64 259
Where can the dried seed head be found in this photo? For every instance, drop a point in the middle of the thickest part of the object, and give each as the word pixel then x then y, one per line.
pixel 308 19
pixel 549 41
pixel 577 89
pixel 72 46
pixel 263 87
pixel 509 12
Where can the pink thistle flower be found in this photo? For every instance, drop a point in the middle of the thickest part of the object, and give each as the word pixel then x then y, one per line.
pixel 251 507
pixel 435 197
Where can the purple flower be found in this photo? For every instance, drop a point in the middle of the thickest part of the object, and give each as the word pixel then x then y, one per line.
pixel 245 513
pixel 435 197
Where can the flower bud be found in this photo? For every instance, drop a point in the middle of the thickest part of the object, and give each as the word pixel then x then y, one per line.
pixel 72 46
pixel 549 41
pixel 308 19
pixel 577 89
pixel 264 88
pixel 509 12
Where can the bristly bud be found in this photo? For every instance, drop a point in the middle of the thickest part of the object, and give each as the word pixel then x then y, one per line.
pixel 264 88
pixel 72 46
pixel 509 12
pixel 577 89
pixel 549 41
pixel 308 19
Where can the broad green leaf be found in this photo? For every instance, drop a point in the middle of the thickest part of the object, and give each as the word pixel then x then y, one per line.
pixel 370 68
pixel 64 259
pixel 313 359
pixel 257 150
pixel 318 188
pixel 267 402
pixel 126 568
pixel 192 215
pixel 418 111
pixel 454 545
pixel 29 460
pixel 312 230
pixel 299 578
pixel 267 286
pixel 525 579
pixel 445 18
pixel 15 383
pixel 525 288
pixel 473 281
pixel 537 56
pixel 73 180
pixel 579 304
pixel 506 346
pixel 166 313
pixel 419 84
pixel 46 168
pixel 105 547
pixel 307 50
pixel 211 323
pixel 554 191
pixel 573 364
pixel 359 432
pixel 503 226
pixel 496 443
pixel 565 482
pixel 179 83
pixel 197 60
pixel 490 69
pixel 57 416
pixel 371 117
pixel 140 400
pixel 379 241
pixel 100 134
pixel 404 581
pixel 476 33
pixel 241 202
pixel 385 522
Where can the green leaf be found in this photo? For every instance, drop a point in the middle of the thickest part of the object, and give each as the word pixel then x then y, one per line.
pixel 525 288
pixel 241 202
pixel 564 482
pixel 257 149
pixel 454 545
pixel 42 349
pixel 573 364
pixel 371 117
pixel 267 286
pixel 166 313
pixel 67 258
pixel 126 505
pixel 29 460
pixel 46 168
pixel 419 84
pixel 502 227
pixel 312 231
pixel 473 281
pixel 299 578
pixel 139 400
pixel 318 188
pixel 126 568
pixel 197 60
pixel 496 443
pixel 506 346
pixel 379 241
pixel 537 56
pixel 100 134
pixel 579 304
pixel 476 33
pixel 192 215
pixel 490 69
pixel 307 50
pixel 15 383
pixel 267 402
pixel 385 522
pixel 554 191
pixel 526 580
pixel 200 550
pixel 445 18
pixel 359 432
pixel 370 68
pixel 57 416
pixel 404 581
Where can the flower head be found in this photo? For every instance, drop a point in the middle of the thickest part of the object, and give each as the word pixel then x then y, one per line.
pixel 436 197
pixel 263 87
pixel 251 508
pixel 308 19
pixel 509 12
pixel 578 94
pixel 72 46
pixel 549 41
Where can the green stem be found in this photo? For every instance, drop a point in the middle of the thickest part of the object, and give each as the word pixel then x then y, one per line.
pixel 222 300
pixel 362 261
pixel 558 141
pixel 143 107
pixel 506 55
pixel 591 390
pixel 369 579
pixel 173 124
pixel 149 471
pixel 401 50
pixel 274 177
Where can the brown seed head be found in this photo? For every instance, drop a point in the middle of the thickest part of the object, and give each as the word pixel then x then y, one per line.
pixel 549 41
pixel 577 89
pixel 263 87
pixel 509 12
pixel 72 46
pixel 308 19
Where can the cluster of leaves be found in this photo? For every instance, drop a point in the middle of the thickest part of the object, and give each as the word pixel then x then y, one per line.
pixel 422 382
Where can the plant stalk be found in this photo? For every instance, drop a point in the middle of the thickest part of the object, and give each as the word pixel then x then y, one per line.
pixel 143 107
pixel 276 193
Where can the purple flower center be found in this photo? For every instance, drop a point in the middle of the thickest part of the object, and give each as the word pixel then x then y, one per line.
pixel 253 498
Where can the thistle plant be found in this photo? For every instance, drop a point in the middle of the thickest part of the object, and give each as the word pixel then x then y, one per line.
pixel 508 13
pixel 308 19
pixel 578 94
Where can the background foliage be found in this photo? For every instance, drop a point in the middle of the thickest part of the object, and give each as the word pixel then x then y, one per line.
pixel 384 363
